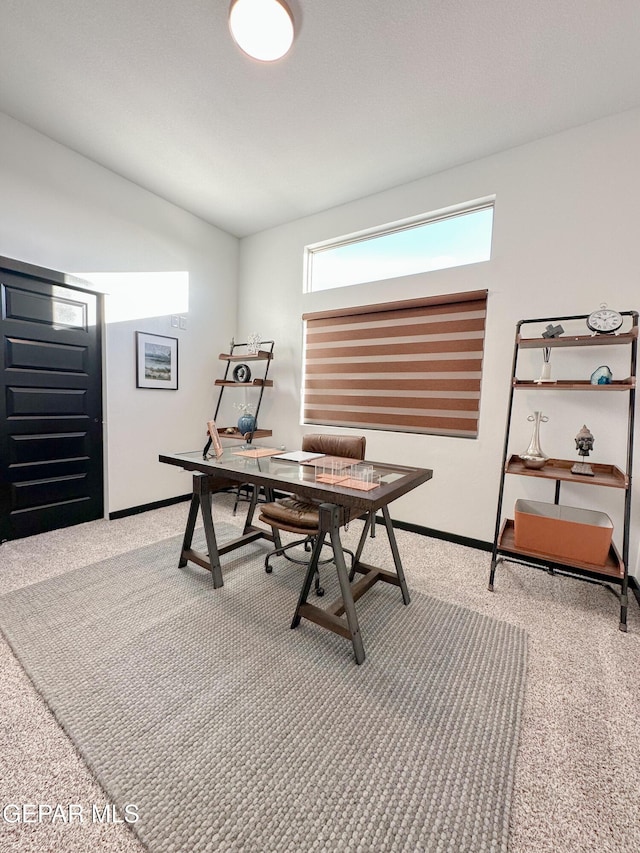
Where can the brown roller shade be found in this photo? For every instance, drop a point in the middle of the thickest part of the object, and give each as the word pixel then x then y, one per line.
pixel 410 366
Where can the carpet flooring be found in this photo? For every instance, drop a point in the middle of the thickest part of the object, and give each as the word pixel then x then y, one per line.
pixel 577 773
pixel 229 732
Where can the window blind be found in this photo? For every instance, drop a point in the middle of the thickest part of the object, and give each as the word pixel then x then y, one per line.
pixel 409 366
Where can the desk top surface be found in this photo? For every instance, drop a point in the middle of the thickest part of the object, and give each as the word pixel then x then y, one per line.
pixel 395 480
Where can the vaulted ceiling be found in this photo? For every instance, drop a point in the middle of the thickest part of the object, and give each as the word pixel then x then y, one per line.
pixel 373 94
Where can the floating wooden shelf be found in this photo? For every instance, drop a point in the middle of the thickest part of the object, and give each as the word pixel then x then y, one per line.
pixel 575 385
pixel 613 568
pixel 262 355
pixel 255 383
pixel 579 340
pixel 560 469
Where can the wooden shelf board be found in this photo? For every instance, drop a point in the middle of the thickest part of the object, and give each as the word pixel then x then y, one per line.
pixel 258 433
pixel 262 355
pixel 579 340
pixel 255 383
pixel 560 469
pixel 613 568
pixel 575 385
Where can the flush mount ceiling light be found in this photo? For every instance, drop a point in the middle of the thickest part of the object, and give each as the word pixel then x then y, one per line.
pixel 263 29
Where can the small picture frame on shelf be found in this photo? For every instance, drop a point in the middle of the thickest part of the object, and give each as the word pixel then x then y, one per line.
pixel 215 439
pixel 156 362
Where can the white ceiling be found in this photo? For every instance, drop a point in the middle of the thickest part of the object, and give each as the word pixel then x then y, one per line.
pixel 374 93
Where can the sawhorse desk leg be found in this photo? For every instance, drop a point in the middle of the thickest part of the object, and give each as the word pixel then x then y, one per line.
pixel 332 518
pixel 203 485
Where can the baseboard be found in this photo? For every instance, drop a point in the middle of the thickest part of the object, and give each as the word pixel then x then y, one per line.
pixel 134 510
pixel 480 544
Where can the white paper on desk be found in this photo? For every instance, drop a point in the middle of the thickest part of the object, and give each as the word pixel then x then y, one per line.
pixel 298 456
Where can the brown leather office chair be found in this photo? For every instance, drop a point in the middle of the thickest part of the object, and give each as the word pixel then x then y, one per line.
pixel 297 514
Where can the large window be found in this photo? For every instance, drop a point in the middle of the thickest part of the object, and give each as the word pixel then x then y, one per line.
pixel 410 366
pixel 414 246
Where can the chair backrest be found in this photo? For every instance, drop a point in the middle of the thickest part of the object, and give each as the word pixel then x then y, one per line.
pixel 349 446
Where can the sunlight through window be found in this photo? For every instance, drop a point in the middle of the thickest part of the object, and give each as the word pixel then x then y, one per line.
pixel 136 295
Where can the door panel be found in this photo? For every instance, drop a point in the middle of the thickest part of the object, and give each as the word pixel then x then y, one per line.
pixel 50 309
pixel 40 355
pixel 51 457
pixel 46 403
pixel 64 446
pixel 35 493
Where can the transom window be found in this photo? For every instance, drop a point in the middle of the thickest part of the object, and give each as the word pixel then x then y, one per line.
pixel 433 242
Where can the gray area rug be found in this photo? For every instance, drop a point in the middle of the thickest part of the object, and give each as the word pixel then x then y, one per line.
pixel 230 732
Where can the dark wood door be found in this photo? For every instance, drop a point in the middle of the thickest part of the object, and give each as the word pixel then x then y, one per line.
pixel 51 456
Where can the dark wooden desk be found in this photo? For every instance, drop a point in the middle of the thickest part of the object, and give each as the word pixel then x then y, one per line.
pixel 336 505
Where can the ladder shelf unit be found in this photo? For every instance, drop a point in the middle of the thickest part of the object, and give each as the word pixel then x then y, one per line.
pixel 615 569
pixel 239 354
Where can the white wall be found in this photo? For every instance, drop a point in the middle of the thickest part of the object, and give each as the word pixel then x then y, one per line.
pixel 62 211
pixel 565 240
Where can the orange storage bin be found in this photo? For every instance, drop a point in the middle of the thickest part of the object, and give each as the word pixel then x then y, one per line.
pixel 566 533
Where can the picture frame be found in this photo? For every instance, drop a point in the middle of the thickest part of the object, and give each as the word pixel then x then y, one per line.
pixel 156 362
pixel 215 439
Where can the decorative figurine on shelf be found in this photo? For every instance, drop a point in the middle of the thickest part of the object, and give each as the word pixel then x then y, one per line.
pixel 584 446
pixel 552 331
pixel 534 457
pixel 253 343
pixel 602 375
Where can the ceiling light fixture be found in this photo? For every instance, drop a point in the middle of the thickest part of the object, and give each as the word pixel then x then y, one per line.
pixel 263 29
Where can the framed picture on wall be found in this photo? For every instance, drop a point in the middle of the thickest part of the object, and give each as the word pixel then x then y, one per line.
pixel 156 361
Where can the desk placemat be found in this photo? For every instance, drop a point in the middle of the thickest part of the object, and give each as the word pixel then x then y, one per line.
pixel 330 479
pixel 350 483
pixel 347 482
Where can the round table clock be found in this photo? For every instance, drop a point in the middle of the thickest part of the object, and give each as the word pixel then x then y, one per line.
pixel 242 373
pixel 604 321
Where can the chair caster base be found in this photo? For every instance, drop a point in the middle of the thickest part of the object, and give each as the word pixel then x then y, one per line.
pixel 320 592
pixel 268 569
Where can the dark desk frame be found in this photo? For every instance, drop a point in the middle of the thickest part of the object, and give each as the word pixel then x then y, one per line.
pixel 336 507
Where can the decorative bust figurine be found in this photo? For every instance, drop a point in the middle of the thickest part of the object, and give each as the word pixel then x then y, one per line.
pixel 584 446
pixel 584 441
